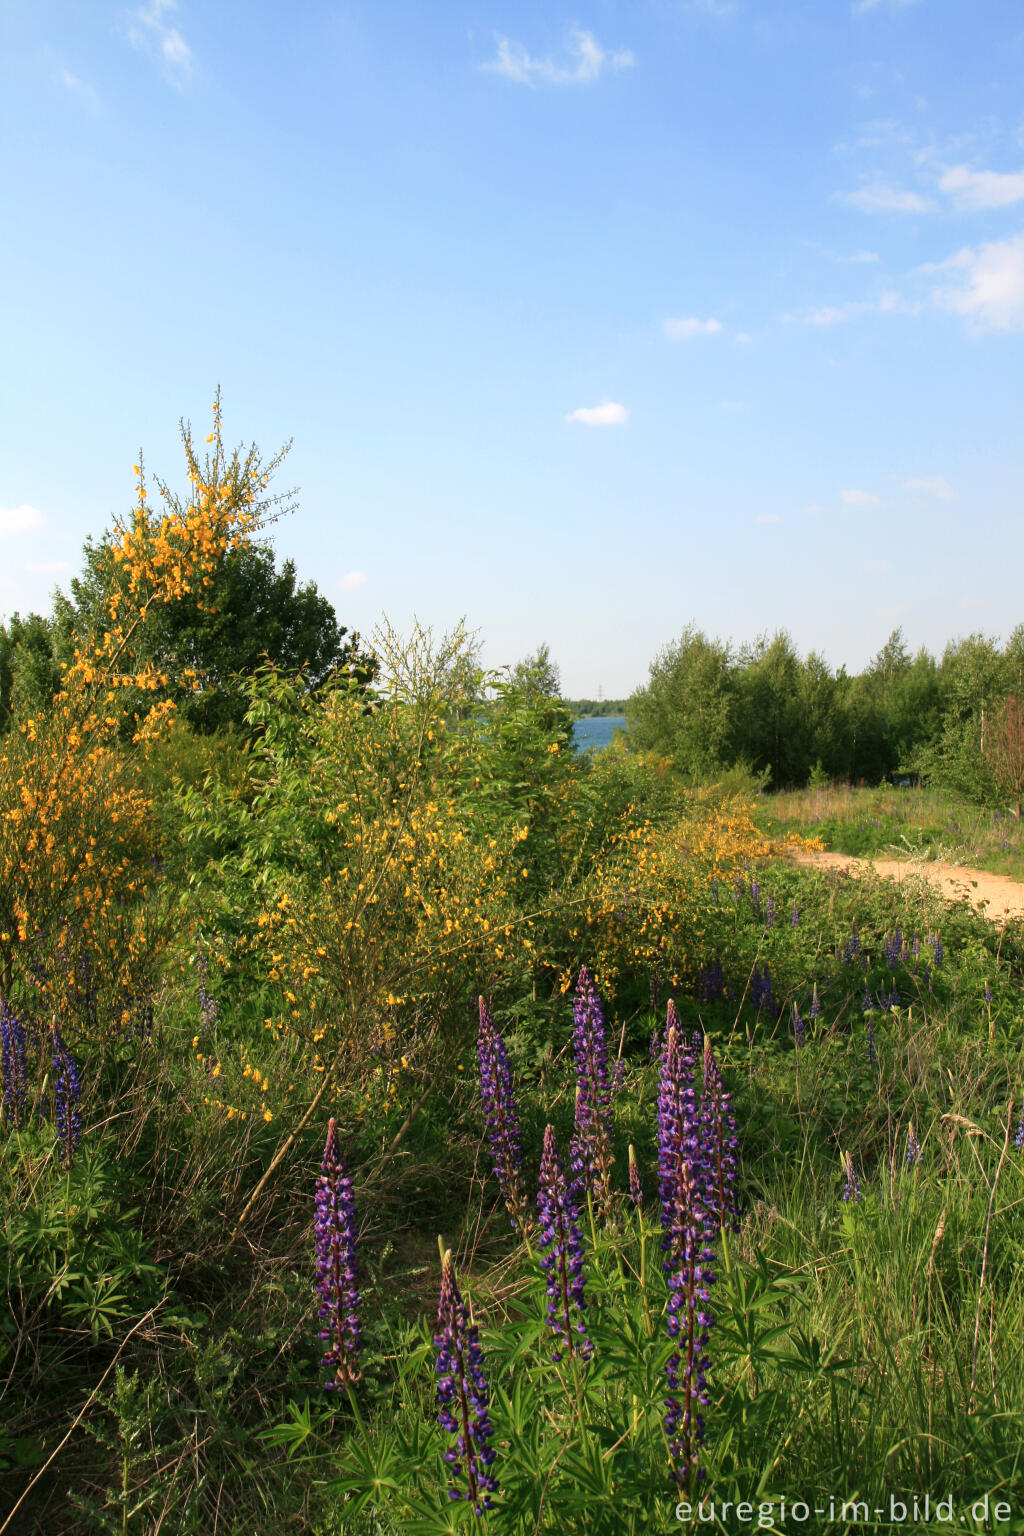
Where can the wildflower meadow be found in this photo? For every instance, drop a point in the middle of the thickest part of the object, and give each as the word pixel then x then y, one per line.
pixel 411 1125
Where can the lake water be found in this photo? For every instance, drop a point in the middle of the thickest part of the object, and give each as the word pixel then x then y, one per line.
pixel 596 731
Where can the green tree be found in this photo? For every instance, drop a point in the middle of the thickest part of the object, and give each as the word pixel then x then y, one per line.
pixel 685 710
pixel 29 669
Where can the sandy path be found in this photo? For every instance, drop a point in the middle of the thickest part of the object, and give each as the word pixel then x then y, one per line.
pixel 1002 897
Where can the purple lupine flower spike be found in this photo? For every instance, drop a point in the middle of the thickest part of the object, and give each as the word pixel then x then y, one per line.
pixel 688 1225
pixel 337 1276
pixel 718 1126
pixel 988 994
pixel 1018 1139
pixel 591 1152
pixel 562 1258
pixel 67 1093
pixel 769 912
pixel 795 915
pixel 636 1189
pixel 462 1397
pixel 799 1028
pixel 501 1116
pixel 815 1003
pixel 851 1187
pixel 208 1006
pixel 12 1053
pixel 871 1048
pixel 914 1150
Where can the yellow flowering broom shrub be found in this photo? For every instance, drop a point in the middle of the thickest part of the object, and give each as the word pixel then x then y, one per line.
pixel 77 835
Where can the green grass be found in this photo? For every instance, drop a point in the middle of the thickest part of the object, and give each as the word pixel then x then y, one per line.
pixel 900 823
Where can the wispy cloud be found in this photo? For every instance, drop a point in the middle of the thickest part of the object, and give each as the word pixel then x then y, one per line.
pixel 685 330
pixel 769 517
pixel 862 7
pixel 862 256
pixel 936 486
pixel 353 580
pixel 15 520
pixel 986 285
pixel 975 190
pixel 148 28
pixel 882 197
pixel 590 60
pixel 857 498
pixel 608 414
pixel 81 90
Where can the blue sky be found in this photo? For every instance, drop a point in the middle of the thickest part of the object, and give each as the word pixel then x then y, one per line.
pixel 585 323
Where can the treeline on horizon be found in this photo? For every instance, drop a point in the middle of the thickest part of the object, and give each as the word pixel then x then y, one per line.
pixel 955 721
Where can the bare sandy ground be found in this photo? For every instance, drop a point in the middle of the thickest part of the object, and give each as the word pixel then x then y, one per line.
pixel 998 896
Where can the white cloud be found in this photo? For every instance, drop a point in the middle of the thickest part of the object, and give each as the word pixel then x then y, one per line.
pixel 608 414
pixel 861 256
pixel 47 567
pixel 15 520
pixel 880 197
pixel 147 28
pixel 353 579
pixel 769 517
pixel 861 7
pixel 515 63
pixel 742 338
pixel 930 485
pixel 860 499
pixel 973 190
pixel 81 90
pixel 987 286
pixel 685 330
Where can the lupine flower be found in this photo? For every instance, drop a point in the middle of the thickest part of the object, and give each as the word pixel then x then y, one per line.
pixel 462 1397
pixel 337 1276
pixel 871 1047
pixel 914 1151
pixel 67 1092
pixel 894 997
pixel 636 1189
pixel 799 1028
pixel 795 915
pixel 852 949
pixel 915 948
pixel 755 892
pixel 937 948
pixel 208 1006
pixel 867 1002
pixel 988 994
pixel 851 1187
pixel 815 1003
pixel 688 1224
pixel 591 1152
pixel 1018 1140
pixel 892 948
pixel 562 1259
pixel 769 912
pixel 501 1116
pixel 12 1054
pixel 718 1135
